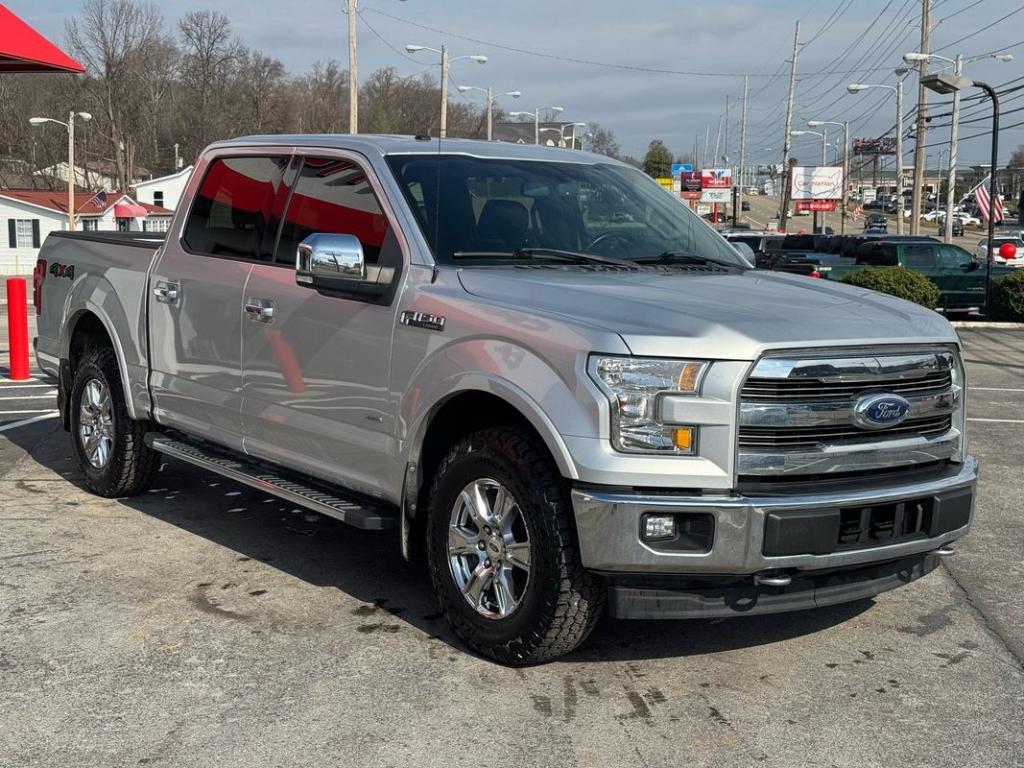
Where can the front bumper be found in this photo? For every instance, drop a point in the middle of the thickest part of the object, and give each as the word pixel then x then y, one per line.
pixel 745 528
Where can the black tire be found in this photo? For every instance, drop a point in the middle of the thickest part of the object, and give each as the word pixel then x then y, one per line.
pixel 131 465
pixel 561 601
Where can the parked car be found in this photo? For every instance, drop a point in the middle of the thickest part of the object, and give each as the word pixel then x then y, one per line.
pixel 955 271
pixel 876 221
pixel 981 250
pixel 563 408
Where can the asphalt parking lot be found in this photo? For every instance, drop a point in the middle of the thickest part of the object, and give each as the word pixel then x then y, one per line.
pixel 204 624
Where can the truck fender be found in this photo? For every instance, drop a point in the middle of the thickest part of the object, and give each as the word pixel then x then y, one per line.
pixel 78 304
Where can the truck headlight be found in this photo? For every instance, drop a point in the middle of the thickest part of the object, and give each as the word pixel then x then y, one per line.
pixel 633 385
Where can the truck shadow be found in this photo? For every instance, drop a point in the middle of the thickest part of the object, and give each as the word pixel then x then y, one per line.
pixel 368 566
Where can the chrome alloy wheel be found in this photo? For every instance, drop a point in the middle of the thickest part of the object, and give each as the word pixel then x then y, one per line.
pixel 96 423
pixel 489 548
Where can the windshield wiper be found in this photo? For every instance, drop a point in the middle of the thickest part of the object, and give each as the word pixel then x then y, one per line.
pixel 667 257
pixel 541 253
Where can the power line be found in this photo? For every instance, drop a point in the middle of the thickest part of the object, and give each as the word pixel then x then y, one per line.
pixel 979 31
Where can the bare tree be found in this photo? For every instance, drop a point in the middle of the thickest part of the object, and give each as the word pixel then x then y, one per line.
pixel 209 52
pixel 110 39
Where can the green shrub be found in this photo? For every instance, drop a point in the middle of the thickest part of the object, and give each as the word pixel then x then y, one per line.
pixel 897 281
pixel 1008 297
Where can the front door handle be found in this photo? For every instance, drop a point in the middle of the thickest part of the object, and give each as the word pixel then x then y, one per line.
pixel 166 293
pixel 260 310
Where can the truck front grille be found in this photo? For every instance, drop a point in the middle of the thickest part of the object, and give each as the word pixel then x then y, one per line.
pixel 798 437
pixel 799 415
pixel 787 391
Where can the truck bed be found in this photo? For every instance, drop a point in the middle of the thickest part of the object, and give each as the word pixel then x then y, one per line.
pixel 103 275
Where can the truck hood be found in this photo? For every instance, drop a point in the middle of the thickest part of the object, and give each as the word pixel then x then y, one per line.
pixel 734 316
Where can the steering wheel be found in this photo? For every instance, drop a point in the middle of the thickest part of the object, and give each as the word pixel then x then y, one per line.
pixel 610 244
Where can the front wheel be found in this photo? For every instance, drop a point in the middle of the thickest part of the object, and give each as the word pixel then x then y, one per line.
pixel 109 445
pixel 502 551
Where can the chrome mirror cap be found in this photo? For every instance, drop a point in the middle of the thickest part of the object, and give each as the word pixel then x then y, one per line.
pixel 328 257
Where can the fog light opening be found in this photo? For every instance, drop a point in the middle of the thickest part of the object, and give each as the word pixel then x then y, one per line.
pixel 659 527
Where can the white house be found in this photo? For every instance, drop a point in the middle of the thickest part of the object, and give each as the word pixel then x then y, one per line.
pixel 29 215
pixel 164 191
pixel 101 174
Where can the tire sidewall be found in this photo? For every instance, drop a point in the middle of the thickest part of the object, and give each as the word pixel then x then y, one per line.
pixel 489 457
pixel 97 478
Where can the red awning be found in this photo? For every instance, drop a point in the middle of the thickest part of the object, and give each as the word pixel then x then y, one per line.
pixel 22 49
pixel 130 211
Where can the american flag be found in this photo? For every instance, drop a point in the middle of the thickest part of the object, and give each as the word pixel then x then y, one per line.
pixel 981 197
pixel 100 198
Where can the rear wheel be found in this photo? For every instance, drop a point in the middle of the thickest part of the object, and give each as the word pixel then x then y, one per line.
pixel 502 551
pixel 109 445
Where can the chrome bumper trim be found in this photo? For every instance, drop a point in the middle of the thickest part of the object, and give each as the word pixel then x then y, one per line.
pixel 849 457
pixel 608 525
pixel 829 413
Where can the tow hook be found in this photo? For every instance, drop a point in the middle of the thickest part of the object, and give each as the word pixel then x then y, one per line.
pixel 772 579
pixel 946 550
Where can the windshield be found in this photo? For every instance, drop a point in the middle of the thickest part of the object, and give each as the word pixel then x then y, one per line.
pixel 487 211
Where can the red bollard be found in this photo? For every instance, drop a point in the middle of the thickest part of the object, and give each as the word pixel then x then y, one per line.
pixel 17 327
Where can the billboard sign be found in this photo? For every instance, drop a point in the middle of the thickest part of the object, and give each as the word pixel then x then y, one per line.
pixel 690 181
pixel 716 195
pixel 815 206
pixel 885 145
pixel 681 168
pixel 817 183
pixel 716 178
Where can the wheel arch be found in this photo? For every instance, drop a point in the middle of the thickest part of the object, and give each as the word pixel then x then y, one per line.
pixel 86 326
pixel 481 403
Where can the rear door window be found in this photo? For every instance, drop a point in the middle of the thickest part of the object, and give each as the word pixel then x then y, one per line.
pixel 233 211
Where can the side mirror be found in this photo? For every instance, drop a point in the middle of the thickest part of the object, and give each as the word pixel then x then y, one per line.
pixel 972 265
pixel 335 264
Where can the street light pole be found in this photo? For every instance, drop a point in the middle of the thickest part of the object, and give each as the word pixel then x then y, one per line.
pixel 491 98
pixel 947 84
pixel 70 127
pixel 958 70
pixel 536 119
pixel 446 61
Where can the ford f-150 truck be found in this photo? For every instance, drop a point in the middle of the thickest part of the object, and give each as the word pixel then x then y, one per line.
pixel 538 368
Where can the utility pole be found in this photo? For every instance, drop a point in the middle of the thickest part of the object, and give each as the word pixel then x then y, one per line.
pixel 958 70
pixel 718 141
pixel 444 91
pixel 922 125
pixel 846 173
pixel 704 155
pixel 743 140
pixel 786 183
pixel 490 113
pixel 72 172
pixel 725 151
pixel 353 81
pixel 899 166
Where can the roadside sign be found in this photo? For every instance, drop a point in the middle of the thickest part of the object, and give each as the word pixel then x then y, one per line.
pixel 819 206
pixel 818 183
pixel 716 195
pixel 680 168
pixel 716 178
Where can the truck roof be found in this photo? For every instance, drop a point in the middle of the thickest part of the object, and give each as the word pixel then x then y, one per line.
pixel 404 145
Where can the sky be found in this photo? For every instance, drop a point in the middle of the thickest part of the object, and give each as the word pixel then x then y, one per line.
pixel 594 58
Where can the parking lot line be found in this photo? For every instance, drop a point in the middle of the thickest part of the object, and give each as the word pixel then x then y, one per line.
pixel 993 389
pixel 33 410
pixel 26 422
pixel 999 421
pixel 24 397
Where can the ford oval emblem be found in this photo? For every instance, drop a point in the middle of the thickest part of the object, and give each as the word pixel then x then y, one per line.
pixel 879 411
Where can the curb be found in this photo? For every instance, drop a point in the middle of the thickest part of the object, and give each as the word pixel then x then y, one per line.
pixel 986 324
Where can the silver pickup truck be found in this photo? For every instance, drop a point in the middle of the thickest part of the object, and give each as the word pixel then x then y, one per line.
pixel 538 368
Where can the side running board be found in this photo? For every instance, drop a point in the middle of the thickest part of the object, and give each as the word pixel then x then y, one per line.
pixel 357 513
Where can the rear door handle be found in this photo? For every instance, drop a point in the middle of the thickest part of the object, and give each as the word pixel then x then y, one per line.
pixel 166 293
pixel 260 310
